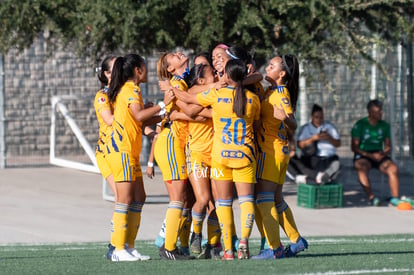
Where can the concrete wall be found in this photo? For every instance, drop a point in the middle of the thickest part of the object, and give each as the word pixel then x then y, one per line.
pixel 33 76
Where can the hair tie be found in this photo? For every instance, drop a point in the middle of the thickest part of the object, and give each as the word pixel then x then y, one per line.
pixel 231 55
pixel 285 65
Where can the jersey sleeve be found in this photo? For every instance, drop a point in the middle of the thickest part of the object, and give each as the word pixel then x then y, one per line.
pixel 101 102
pixel 207 98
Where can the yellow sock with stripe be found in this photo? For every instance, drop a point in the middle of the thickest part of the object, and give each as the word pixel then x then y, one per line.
pixel 134 220
pixel 266 204
pixel 213 229
pixel 172 224
pixel 224 210
pixel 259 221
pixel 198 219
pixel 120 223
pixel 287 221
pixel 185 227
pixel 246 204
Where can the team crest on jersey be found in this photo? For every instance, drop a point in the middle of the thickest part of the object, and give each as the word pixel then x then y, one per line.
pixel 101 100
pixel 206 93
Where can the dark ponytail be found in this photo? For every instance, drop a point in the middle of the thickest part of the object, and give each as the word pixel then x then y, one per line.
pixel 105 66
pixel 122 71
pixel 291 66
pixel 196 72
pixel 237 71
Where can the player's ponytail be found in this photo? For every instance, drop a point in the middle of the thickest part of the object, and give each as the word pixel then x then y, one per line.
pixel 291 66
pixel 105 67
pixel 237 71
pixel 117 79
pixel 123 70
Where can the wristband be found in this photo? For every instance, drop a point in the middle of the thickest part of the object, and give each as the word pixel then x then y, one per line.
pixel 150 164
pixel 162 105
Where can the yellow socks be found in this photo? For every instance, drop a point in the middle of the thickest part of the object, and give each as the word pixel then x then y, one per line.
pixel 198 219
pixel 287 221
pixel 120 220
pixel 213 229
pixel 134 220
pixel 266 204
pixel 185 227
pixel 246 215
pixel 224 210
pixel 172 224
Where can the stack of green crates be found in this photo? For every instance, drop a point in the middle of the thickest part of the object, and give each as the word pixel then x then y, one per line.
pixel 320 196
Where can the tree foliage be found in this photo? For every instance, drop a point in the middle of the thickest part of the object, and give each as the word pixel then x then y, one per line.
pixel 314 30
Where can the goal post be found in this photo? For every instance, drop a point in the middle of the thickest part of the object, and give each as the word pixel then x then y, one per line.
pixel 58 105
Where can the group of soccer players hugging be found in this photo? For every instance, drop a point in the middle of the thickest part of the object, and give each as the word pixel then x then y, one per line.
pixel 216 131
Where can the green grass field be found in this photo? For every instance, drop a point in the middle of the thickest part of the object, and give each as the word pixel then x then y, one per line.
pixel 383 254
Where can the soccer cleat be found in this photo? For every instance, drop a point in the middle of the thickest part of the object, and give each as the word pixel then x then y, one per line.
pixel 279 253
pixel 264 254
pixel 228 255
pixel 196 243
pixel 174 255
pixel 395 201
pixel 159 241
pixel 123 256
pixel 134 252
pixel 293 249
pixel 375 201
pixel 243 250
pixel 269 253
pixel 111 249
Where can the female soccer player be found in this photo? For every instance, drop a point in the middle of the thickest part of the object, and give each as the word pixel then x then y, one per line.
pixel 104 114
pixel 233 158
pixel 124 149
pixel 170 156
pixel 277 115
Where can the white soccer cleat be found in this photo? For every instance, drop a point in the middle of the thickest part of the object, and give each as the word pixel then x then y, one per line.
pixel 123 256
pixel 134 252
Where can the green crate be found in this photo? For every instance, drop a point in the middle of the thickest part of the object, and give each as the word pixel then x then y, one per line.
pixel 320 196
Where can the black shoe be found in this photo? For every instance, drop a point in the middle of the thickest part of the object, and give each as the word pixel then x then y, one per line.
pixel 195 245
pixel 174 255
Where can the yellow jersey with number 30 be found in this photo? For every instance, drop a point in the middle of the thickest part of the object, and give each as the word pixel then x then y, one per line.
pixel 127 132
pixel 273 138
pixel 233 143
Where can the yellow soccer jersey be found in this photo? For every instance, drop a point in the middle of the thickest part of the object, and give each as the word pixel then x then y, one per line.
pixel 200 138
pixel 101 103
pixel 127 132
pixel 273 138
pixel 233 143
pixel 179 127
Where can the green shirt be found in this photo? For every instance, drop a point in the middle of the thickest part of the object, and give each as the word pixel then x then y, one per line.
pixel 371 137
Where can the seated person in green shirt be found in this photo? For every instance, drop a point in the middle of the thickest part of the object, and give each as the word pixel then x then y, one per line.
pixel 371 144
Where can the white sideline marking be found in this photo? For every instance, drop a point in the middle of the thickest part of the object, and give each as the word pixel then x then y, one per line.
pixel 363 271
pixel 348 241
